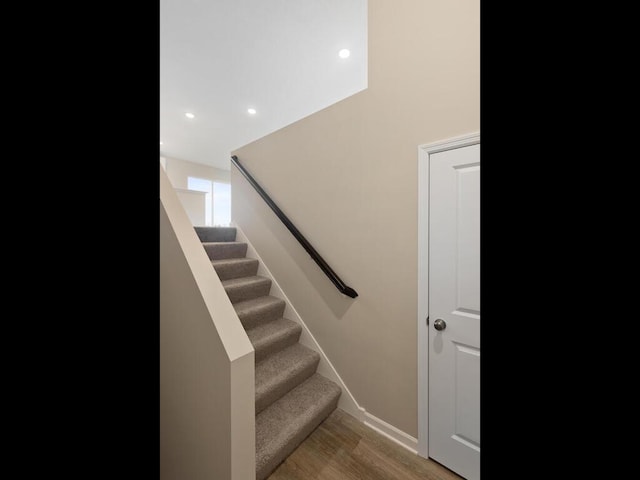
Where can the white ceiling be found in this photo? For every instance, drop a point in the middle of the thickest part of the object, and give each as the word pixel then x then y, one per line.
pixel 220 57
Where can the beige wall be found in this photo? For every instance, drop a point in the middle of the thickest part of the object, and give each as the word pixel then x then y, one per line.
pixel 207 393
pixel 194 204
pixel 347 177
pixel 178 171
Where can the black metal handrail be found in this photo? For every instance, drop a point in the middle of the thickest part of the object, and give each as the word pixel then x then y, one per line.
pixel 340 285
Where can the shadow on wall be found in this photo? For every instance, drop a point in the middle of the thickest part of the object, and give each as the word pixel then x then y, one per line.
pixel 291 250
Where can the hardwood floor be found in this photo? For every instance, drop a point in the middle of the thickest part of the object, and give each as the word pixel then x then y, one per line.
pixel 342 448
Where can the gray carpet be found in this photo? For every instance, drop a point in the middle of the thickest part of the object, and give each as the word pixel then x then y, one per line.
pixel 217 234
pixel 291 398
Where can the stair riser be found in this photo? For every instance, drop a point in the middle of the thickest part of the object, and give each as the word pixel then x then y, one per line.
pixel 276 345
pixel 216 234
pixel 266 398
pixel 248 292
pixel 220 251
pixel 227 272
pixel 263 315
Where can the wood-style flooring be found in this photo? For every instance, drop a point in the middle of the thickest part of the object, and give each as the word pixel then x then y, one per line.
pixel 342 448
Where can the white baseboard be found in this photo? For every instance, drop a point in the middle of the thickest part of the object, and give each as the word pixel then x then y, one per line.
pixel 347 401
pixel 392 433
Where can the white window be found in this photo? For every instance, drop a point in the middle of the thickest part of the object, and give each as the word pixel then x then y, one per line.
pixel 217 202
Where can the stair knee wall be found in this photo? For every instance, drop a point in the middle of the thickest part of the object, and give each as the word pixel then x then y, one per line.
pixel 207 422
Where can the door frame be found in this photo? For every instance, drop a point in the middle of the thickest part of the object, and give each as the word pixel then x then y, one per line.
pixel 424 153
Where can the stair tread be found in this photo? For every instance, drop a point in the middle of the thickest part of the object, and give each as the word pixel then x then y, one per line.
pixel 284 424
pixel 234 242
pixel 233 261
pixel 278 373
pixel 219 234
pixel 228 268
pixel 246 288
pixel 272 328
pixel 244 281
pixel 220 250
pixel 280 365
pixel 247 306
pixel 264 335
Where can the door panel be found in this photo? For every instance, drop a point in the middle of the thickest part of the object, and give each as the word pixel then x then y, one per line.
pixel 467 391
pixel 454 297
pixel 468 239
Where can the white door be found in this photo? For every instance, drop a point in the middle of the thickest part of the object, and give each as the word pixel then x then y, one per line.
pixel 454 309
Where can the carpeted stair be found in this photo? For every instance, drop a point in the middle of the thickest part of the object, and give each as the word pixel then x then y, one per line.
pixel 291 398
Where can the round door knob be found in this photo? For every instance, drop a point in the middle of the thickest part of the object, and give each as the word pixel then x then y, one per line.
pixel 440 324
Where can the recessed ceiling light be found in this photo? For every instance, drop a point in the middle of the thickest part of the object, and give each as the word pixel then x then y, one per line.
pixel 252 111
pixel 189 115
pixel 160 142
pixel 344 53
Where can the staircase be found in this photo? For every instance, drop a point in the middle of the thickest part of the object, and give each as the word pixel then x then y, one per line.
pixel 291 398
